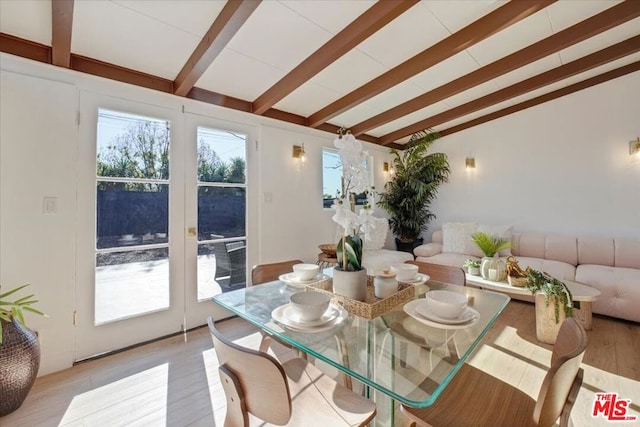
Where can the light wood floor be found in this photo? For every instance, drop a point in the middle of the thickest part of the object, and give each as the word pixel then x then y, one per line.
pixel 174 382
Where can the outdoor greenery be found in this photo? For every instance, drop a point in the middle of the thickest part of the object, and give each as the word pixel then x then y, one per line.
pixel 142 152
pixel 490 245
pixel 414 186
pixel 538 281
pixel 10 310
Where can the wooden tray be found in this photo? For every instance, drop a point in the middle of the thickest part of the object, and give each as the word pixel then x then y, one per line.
pixel 372 307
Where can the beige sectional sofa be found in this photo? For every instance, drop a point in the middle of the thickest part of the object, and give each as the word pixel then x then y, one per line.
pixel 610 265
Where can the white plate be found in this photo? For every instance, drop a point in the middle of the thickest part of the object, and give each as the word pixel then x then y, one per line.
pixel 341 314
pixel 469 315
pixel 329 315
pixel 418 280
pixel 291 279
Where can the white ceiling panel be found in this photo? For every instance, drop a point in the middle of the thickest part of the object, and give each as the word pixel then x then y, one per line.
pixel 348 73
pixel 457 14
pixel 234 74
pixel 472 116
pixel 273 35
pixel 325 13
pixel 111 33
pixel 393 44
pixel 191 16
pixel 538 92
pixel 307 99
pixel 473 93
pixel 356 115
pixel 566 13
pixel 540 66
pixel 444 72
pixel 27 19
pixel 601 41
pixel 409 119
pixel 519 35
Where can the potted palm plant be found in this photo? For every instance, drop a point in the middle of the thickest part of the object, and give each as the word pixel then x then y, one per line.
pixel 412 189
pixel 19 350
pixel 491 267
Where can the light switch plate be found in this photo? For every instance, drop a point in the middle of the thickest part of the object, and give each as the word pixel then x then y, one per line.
pixel 49 205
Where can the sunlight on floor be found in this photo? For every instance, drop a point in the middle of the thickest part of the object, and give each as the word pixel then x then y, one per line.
pixel 112 403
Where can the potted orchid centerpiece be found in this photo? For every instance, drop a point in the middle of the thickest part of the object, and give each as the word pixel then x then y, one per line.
pixel 349 276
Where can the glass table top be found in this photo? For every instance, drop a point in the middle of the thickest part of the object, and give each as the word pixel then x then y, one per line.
pixel 411 359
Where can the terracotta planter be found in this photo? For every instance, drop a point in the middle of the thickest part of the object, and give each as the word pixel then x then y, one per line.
pixel 351 284
pixel 19 363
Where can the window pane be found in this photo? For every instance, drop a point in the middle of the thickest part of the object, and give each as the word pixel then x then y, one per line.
pixel 221 156
pixel 221 268
pixel 221 212
pixel 131 214
pixel 332 178
pixel 131 283
pixel 132 146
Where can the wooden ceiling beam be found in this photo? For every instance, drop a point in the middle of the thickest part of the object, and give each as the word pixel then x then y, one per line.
pixel 25 48
pixel 61 26
pixel 581 31
pixel 233 15
pixel 372 20
pixel 601 78
pixel 601 57
pixel 473 33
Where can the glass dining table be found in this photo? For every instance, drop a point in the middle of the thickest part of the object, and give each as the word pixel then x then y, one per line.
pixel 399 356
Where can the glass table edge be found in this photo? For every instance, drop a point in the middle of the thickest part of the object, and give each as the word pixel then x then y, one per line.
pixel 366 381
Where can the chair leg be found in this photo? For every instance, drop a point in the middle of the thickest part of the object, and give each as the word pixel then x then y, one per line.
pixel 265 342
pixel 236 409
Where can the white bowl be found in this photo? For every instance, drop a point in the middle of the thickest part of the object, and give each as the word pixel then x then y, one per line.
pixel 405 272
pixel 309 305
pixel 446 304
pixel 306 271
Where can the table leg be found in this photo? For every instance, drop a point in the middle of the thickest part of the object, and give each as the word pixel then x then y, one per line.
pixel 584 314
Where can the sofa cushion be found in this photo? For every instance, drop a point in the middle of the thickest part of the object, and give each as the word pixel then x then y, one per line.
pixel 375 261
pixel 561 248
pixel 595 250
pixel 447 258
pixel 428 249
pixel 528 244
pixel 456 237
pixel 558 269
pixel 619 289
pixel 627 253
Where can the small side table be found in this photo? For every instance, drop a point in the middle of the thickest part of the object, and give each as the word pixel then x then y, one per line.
pixel 326 261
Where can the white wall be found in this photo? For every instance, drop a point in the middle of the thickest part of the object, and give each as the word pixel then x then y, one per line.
pixel 560 167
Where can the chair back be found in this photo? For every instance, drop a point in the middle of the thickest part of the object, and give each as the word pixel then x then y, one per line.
pixel 261 378
pixel 563 380
pixel 263 273
pixel 441 273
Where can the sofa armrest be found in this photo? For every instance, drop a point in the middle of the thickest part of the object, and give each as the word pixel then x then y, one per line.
pixel 428 249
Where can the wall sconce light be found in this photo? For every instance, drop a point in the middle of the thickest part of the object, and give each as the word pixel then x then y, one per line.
pixel 298 152
pixel 634 147
pixel 387 167
pixel 470 163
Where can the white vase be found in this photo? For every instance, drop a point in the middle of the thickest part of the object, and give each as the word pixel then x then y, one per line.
pixel 493 269
pixel 351 284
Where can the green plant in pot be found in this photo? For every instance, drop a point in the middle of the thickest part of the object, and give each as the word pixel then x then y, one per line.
pixel 19 350
pixel 473 266
pixel 553 290
pixel 412 188
pixel 491 268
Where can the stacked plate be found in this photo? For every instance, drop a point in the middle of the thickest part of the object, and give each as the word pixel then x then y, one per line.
pixel 334 315
pixel 293 280
pixel 421 311
pixel 418 280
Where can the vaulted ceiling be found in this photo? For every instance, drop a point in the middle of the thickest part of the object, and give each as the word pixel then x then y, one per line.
pixel 383 69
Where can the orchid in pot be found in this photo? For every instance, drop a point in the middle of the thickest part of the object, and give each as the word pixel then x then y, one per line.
pixel 349 277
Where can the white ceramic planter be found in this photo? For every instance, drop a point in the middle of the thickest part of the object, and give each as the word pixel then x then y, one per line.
pixel 351 284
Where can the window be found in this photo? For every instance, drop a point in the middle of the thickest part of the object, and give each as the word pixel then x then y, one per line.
pixel 332 178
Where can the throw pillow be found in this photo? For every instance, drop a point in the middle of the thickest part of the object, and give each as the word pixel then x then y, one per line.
pixel 502 231
pixel 456 237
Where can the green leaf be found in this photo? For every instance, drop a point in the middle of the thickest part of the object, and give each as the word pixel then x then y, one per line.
pixel 6 294
pixel 35 311
pixel 21 300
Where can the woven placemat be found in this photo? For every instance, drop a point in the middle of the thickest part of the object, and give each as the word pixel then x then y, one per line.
pixel 371 307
